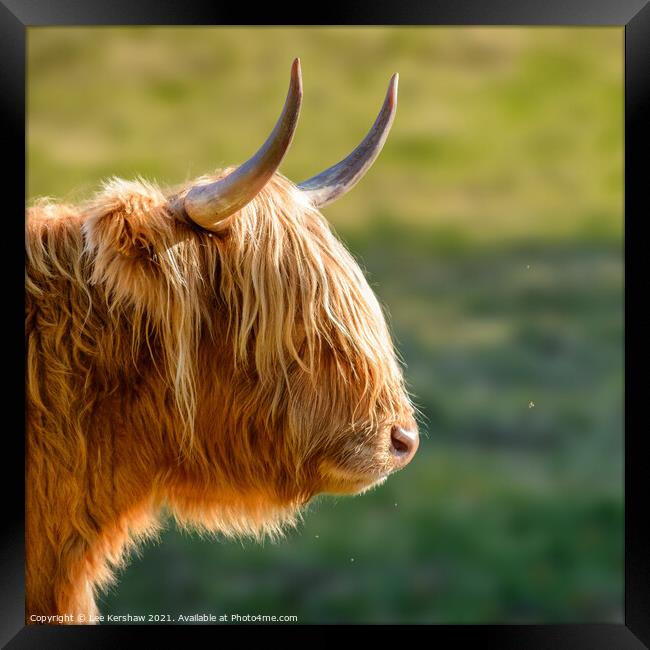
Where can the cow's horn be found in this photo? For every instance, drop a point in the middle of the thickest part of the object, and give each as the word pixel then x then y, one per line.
pixel 338 179
pixel 206 205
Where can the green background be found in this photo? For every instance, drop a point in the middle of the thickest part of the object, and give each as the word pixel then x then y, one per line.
pixel 491 227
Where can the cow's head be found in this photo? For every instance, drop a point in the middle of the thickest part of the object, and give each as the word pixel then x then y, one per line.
pixel 276 350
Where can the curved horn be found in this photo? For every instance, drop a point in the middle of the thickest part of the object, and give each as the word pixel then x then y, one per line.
pixel 340 178
pixel 206 205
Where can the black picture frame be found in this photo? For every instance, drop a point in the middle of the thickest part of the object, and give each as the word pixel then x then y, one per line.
pixel 634 15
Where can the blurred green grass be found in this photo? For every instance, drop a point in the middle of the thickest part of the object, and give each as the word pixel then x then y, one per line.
pixel 491 227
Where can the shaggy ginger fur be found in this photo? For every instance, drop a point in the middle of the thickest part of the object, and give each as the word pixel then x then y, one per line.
pixel 227 376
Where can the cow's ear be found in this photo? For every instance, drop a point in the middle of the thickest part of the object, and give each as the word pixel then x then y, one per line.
pixel 126 230
pixel 127 219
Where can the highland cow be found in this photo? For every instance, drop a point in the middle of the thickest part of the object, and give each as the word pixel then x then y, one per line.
pixel 214 350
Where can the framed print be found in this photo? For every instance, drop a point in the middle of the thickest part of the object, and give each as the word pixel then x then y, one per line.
pixel 327 324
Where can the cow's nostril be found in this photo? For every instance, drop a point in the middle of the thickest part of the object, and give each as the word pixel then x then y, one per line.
pixel 399 445
pixel 404 443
